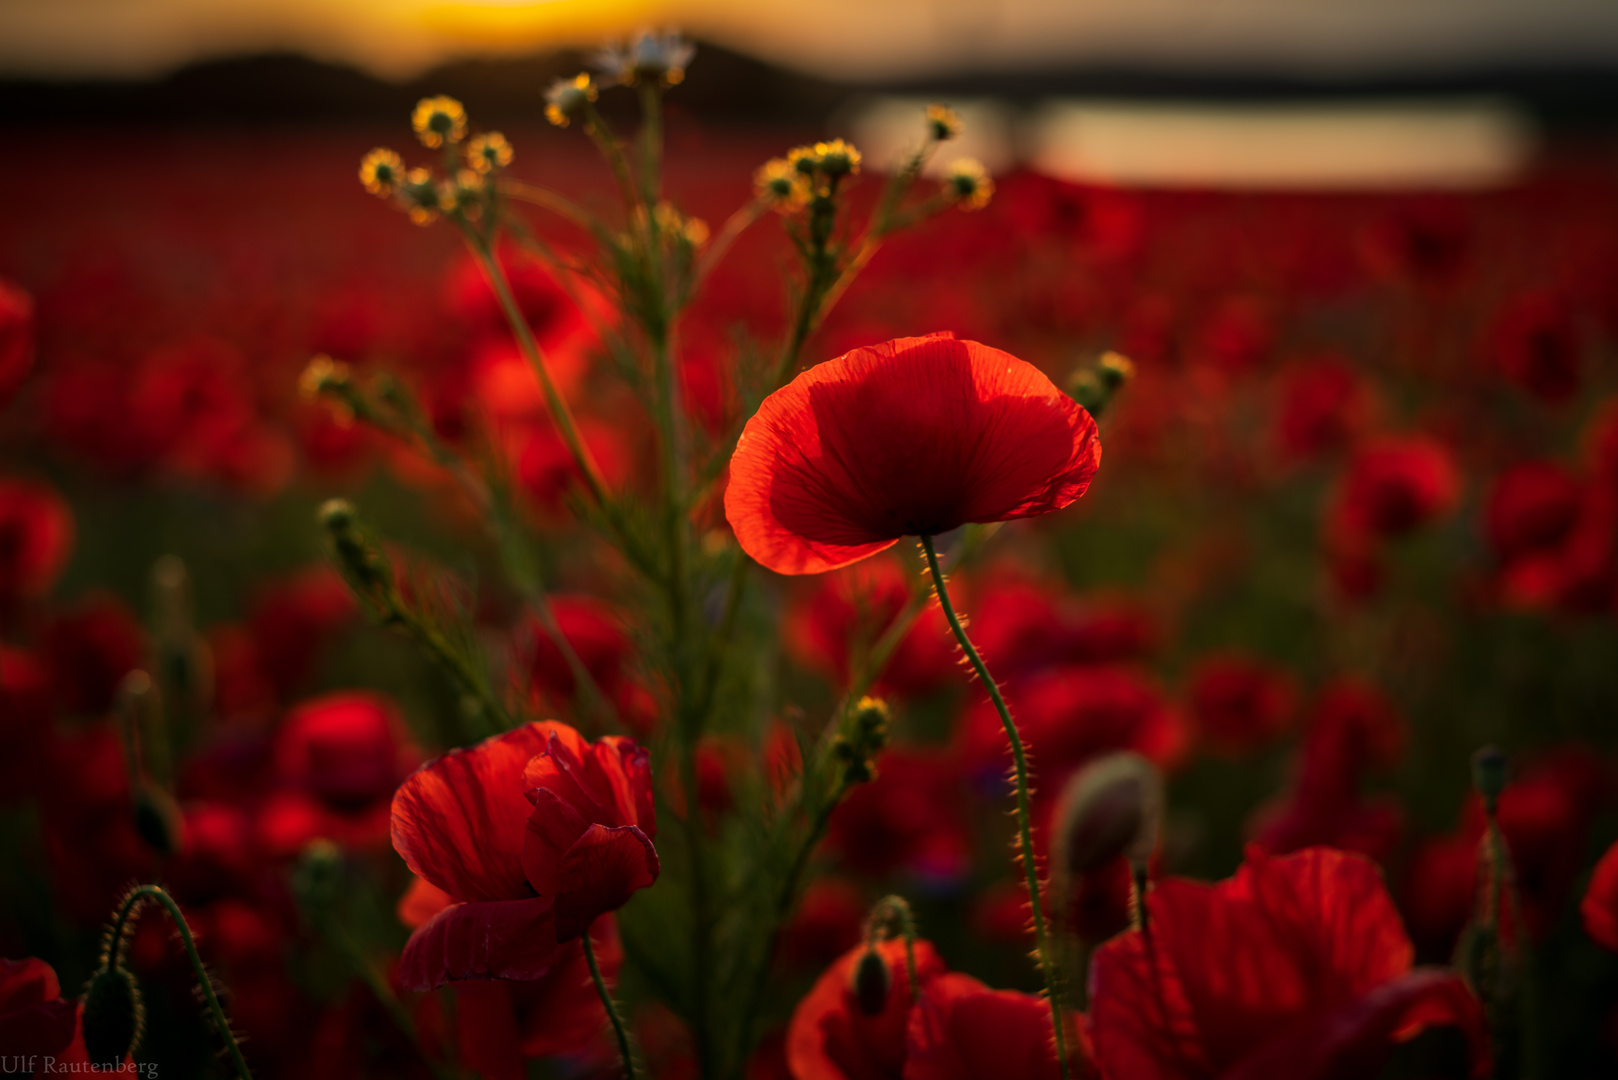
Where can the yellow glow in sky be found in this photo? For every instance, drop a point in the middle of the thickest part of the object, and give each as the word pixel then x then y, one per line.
pixel 860 39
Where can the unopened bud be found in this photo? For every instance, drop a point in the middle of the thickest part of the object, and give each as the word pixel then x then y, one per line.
pixel 1112 807
pixel 337 515
pixel 317 880
pixel 158 820
pixel 871 716
pixel 1489 769
pixel 872 981
pixel 113 1017
pixel 1115 369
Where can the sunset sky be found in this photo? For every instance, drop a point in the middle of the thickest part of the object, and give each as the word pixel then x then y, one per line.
pixel 851 38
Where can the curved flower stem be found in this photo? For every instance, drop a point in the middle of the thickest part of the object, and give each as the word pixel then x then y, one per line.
pixel 610 1005
pixel 557 406
pixel 1025 839
pixel 543 197
pixel 216 1012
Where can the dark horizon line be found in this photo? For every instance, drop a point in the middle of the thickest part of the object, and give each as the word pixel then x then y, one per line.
pixel 728 86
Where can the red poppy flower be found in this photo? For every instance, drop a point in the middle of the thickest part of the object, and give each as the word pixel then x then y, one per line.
pixel 910 817
pixel 1536 344
pixel 1600 905
pixel 1395 486
pixel 1295 967
pixel 34 1019
pixel 347 749
pixel 1240 704
pixel 1354 730
pixel 16 338
pixel 533 833
pixel 914 436
pixel 36 535
pixel 833 1038
pixel 1324 403
pixel 961 1029
pixel 89 649
pixel 848 611
pixel 1532 507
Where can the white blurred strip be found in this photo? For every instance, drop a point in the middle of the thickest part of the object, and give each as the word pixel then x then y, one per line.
pixel 1455 144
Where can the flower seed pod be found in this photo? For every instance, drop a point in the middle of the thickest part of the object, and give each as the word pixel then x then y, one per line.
pixel 1113 807
pixel 871 983
pixel 113 1016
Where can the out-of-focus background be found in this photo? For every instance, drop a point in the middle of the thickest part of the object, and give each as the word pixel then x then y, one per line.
pixel 1358 512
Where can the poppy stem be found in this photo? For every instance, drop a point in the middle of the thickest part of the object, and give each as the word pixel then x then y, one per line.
pixel 610 1005
pixel 1025 839
pixel 117 943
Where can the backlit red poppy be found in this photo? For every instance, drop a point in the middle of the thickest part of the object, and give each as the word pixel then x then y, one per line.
pixel 533 834
pixel 915 436
pixel 1297 966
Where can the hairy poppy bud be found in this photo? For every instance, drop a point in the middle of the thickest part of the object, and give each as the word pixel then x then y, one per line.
pixel 1489 768
pixel 1112 807
pixel 158 820
pixel 113 1017
pixel 871 983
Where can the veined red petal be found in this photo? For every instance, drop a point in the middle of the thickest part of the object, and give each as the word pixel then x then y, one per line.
pixel 1233 966
pixel 913 436
pixel 459 821
pixel 1356 1039
pixel 500 939
pixel 831 1039
pixel 599 873
pixel 961 1030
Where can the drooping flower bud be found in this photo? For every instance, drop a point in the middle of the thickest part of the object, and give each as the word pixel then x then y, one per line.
pixel 113 1016
pixel 1112 807
pixel 158 820
pixel 871 983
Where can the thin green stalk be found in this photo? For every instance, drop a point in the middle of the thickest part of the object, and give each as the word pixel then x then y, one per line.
pixel 595 126
pixel 610 1005
pixel 459 668
pixel 554 402
pixel 1025 839
pixel 651 142
pixel 546 199
pixel 216 1012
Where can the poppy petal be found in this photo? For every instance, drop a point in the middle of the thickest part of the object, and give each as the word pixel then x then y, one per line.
pixel 602 871
pixel 961 1029
pixel 914 436
pixel 502 939
pixel 1356 1039
pixel 830 1038
pixel 459 820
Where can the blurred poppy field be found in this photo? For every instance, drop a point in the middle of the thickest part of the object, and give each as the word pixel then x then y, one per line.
pixel 1355 518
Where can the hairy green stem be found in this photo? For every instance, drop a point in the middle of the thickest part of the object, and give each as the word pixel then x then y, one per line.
pixel 216 1012
pixel 607 1002
pixel 1025 839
